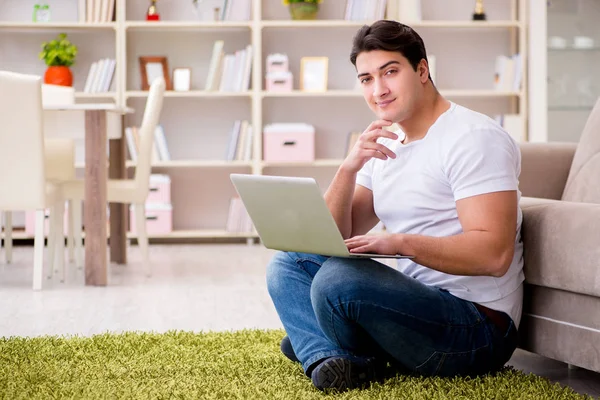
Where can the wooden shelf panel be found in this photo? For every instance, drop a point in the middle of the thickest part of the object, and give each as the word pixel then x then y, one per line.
pixel 177 234
pixel 191 93
pixel 358 94
pixel 186 25
pixel 33 26
pixel 422 24
pixel 316 163
pixel 189 164
pixel 102 95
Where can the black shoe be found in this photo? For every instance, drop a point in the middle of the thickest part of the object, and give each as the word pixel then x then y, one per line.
pixel 287 349
pixel 344 373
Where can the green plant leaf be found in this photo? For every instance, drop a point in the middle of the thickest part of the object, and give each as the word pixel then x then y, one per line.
pixel 59 51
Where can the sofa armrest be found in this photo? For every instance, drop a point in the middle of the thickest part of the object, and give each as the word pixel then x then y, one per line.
pixel 545 168
pixel 560 245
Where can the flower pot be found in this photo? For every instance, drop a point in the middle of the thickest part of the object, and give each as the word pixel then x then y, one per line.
pixel 304 10
pixel 59 75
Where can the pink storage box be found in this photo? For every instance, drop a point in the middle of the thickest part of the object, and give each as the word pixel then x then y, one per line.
pixel 289 142
pixel 279 82
pixel 159 219
pixel 30 222
pixel 160 189
pixel 277 63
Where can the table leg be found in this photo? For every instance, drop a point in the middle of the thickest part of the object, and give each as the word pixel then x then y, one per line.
pixel 95 198
pixel 118 211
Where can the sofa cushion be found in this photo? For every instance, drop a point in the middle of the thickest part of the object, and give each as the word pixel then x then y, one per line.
pixel 560 245
pixel 582 183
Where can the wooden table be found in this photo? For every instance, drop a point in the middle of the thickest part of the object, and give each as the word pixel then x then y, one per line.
pixel 96 177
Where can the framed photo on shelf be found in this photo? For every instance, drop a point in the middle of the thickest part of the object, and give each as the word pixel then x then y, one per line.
pixel 182 79
pixel 313 74
pixel 153 67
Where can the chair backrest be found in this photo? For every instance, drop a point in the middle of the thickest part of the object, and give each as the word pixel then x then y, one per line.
pixel 59 150
pixel 146 131
pixel 22 175
pixel 582 182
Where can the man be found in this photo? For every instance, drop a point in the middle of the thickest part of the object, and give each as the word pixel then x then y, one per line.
pixel 446 188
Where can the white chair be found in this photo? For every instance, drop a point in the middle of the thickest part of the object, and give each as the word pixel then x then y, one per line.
pixel 22 159
pixel 132 191
pixel 59 163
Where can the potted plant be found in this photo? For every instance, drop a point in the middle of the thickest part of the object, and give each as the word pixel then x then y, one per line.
pixel 303 9
pixel 59 54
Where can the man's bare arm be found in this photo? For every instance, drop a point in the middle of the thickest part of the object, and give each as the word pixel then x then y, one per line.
pixel 340 196
pixel 486 246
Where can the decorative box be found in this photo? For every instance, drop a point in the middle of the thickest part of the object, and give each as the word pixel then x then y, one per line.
pixel 277 63
pixel 289 142
pixel 159 219
pixel 279 82
pixel 160 189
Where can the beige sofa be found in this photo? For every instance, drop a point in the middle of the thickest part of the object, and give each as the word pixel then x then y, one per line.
pixel 560 185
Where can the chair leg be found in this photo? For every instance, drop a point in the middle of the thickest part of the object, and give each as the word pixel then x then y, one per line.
pixel 38 250
pixel 71 233
pixel 59 240
pixel 140 226
pixel 75 210
pixel 51 242
pixel 8 236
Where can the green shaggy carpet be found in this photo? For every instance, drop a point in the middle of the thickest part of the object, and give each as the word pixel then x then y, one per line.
pixel 232 365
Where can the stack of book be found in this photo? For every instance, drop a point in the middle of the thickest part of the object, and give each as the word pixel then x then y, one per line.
pixel 229 72
pixel 240 142
pixel 100 76
pixel 160 151
pixel 508 74
pixel 365 10
pixel 96 11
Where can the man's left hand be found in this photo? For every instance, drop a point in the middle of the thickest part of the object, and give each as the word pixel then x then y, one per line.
pixel 383 243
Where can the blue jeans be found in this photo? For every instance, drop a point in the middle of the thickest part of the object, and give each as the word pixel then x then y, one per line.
pixel 360 307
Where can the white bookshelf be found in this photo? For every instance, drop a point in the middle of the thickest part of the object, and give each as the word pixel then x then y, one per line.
pixel 197 123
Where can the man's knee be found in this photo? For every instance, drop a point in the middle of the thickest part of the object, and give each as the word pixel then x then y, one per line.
pixel 276 271
pixel 335 279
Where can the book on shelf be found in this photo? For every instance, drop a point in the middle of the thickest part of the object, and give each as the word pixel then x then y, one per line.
pixel 365 10
pixel 239 147
pixel 94 11
pixel 100 76
pixel 160 151
pixel 508 73
pixel 238 219
pixel 229 72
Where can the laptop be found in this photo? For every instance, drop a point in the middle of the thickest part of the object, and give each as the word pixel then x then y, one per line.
pixel 290 214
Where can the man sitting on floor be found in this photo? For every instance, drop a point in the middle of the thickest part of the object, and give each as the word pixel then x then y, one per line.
pixel 446 188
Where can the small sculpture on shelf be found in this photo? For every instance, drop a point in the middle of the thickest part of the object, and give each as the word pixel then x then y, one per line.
pixel 41 12
pixel 479 13
pixel 152 13
pixel 303 9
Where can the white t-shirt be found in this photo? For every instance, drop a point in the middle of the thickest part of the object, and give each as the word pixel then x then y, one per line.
pixel 464 153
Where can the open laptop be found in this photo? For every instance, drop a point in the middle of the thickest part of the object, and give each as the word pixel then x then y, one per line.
pixel 290 214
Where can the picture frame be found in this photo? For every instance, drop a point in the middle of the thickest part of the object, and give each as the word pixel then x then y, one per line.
pixel 152 67
pixel 313 74
pixel 182 79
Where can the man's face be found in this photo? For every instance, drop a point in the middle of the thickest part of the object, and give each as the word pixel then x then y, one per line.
pixel 391 87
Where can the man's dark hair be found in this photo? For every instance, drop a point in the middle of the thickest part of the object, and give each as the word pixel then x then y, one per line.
pixel 389 36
